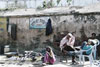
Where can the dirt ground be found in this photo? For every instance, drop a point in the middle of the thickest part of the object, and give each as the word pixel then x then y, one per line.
pixel 5 62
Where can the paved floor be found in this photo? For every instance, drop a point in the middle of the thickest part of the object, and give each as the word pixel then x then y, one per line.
pixel 4 62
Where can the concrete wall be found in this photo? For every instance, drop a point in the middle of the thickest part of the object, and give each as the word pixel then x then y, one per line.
pixel 34 38
pixel 72 23
pixel 29 38
pixel 75 23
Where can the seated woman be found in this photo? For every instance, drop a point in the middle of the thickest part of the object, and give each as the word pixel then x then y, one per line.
pixel 49 57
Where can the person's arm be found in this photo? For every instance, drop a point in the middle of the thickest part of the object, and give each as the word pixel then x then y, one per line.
pixel 71 41
pixel 50 54
pixel 62 42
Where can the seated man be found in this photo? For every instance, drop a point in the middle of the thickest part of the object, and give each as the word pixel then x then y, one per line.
pixel 94 39
pixel 67 44
pixel 96 42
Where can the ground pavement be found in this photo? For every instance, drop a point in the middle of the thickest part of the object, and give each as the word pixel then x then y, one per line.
pixel 4 62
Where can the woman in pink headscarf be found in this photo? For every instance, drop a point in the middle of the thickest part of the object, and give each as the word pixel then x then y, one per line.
pixel 67 44
pixel 49 57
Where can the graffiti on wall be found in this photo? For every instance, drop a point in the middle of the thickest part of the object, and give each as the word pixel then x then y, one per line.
pixel 85 18
pixel 38 22
pixel 3 24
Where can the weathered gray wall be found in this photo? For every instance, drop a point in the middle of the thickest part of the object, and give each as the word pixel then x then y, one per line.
pixel 91 24
pixel 72 23
pixel 30 38
pixel 34 38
